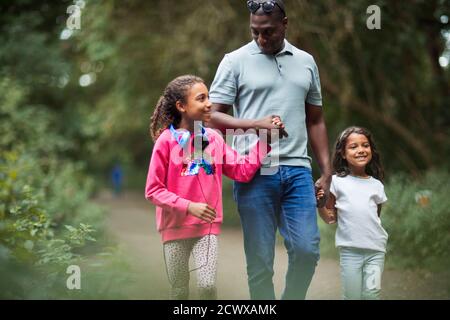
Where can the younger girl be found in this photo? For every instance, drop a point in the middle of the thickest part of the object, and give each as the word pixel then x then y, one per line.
pixel 185 182
pixel 356 195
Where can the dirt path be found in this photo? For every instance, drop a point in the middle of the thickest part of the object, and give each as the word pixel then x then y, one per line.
pixel 131 221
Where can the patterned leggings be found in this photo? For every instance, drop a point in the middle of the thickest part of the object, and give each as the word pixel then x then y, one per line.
pixel 205 253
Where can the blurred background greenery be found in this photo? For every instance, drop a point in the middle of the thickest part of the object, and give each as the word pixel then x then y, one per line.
pixel 73 103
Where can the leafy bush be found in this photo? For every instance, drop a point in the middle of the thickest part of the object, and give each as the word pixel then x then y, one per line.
pixel 28 236
pixel 417 218
pixel 47 221
pixel 230 211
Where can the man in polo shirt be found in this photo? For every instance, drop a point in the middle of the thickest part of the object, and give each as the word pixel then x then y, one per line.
pixel 265 77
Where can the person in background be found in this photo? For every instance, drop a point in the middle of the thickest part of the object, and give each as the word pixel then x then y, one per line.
pixel 117 179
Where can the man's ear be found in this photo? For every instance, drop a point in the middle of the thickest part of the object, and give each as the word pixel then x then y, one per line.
pixel 180 107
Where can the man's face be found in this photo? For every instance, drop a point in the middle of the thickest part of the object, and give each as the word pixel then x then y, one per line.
pixel 268 31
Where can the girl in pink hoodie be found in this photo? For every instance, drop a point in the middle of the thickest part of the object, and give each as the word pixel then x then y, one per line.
pixel 185 182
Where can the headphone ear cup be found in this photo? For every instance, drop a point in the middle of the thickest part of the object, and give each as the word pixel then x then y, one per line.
pixel 182 137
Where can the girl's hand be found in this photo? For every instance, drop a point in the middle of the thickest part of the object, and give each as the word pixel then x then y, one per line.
pixel 323 183
pixel 275 123
pixel 202 211
pixel 276 120
pixel 320 194
pixel 270 122
pixel 329 216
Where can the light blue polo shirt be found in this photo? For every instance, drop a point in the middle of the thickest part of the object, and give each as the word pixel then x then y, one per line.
pixel 258 85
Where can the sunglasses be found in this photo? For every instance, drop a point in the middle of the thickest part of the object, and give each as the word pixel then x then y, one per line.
pixel 267 6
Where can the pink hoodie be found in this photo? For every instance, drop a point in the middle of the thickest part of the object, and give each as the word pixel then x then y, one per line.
pixel 171 190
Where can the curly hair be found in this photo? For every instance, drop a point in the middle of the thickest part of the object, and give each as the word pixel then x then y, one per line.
pixel 166 111
pixel 340 165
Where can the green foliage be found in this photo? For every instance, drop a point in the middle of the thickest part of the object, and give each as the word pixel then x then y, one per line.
pixel 230 212
pixel 23 222
pixel 35 248
pixel 26 127
pixel 327 239
pixel 28 235
pixel 388 80
pixel 417 218
pixel 46 217
pixel 53 132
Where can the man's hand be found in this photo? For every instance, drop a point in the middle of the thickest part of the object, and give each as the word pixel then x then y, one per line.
pixel 328 215
pixel 271 122
pixel 202 211
pixel 323 185
pixel 275 135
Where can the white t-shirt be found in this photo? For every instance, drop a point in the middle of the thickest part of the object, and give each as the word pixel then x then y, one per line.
pixel 357 202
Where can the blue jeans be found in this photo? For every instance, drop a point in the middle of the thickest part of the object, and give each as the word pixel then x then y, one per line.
pixel 361 271
pixel 286 201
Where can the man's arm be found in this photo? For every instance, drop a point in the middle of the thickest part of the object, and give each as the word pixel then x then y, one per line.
pixel 317 133
pixel 220 119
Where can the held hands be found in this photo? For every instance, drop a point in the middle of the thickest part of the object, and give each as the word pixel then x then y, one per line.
pixel 323 183
pixel 271 122
pixel 202 211
pixel 329 216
